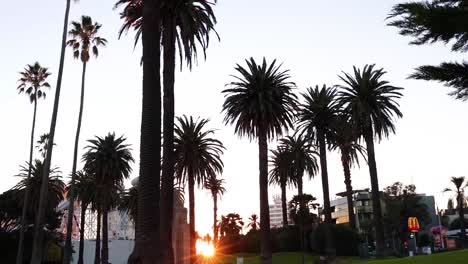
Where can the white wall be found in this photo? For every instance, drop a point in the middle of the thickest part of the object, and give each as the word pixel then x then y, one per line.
pixel 119 250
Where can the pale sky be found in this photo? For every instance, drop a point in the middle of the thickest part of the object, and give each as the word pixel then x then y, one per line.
pixel 316 40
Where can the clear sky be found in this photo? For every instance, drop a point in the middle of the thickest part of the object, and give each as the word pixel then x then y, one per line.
pixel 316 40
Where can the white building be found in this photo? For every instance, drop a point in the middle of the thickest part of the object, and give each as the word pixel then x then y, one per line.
pixel 276 213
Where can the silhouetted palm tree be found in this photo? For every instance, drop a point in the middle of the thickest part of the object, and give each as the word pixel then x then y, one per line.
pixel 198 158
pixel 302 158
pixel 42 145
pixel 260 103
pixel 187 23
pixel 344 137
pixel 37 241
pixel 147 235
pixel 372 106
pixel 85 186
pixel 316 116
pixel 84 40
pixel 129 203
pixel 32 82
pixel 216 187
pixel 281 174
pixel 460 185
pixel 109 159
pixel 253 222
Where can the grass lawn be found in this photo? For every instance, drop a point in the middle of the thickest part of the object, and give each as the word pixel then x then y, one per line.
pixel 453 257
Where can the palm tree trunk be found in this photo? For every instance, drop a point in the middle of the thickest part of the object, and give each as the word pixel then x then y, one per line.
pixel 24 222
pixel 284 204
pixel 167 182
pixel 300 186
pixel 376 206
pixel 36 257
pixel 193 237
pixel 97 251
pixel 71 197
pixel 349 188
pixel 105 237
pixel 215 217
pixel 82 227
pixel 147 227
pixel 265 238
pixel 461 215
pixel 324 171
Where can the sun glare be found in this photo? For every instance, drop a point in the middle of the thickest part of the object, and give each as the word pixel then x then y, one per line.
pixel 205 248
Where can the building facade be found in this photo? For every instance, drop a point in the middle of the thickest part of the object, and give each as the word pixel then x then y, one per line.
pixel 276 213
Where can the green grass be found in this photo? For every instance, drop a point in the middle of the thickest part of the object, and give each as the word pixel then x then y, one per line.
pixel 453 257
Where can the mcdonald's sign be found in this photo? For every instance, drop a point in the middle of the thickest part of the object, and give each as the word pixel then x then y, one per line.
pixel 413 224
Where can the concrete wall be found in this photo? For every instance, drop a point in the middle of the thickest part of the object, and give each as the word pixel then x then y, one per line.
pixel 119 251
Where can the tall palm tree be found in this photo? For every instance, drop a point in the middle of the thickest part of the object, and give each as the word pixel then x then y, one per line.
pixel 84 40
pixel 187 23
pixel 32 82
pixel 302 158
pixel 371 103
pixel 260 103
pixel 316 117
pixel 42 145
pixel 344 137
pixel 198 158
pixel 281 174
pixel 253 222
pixel 85 187
pixel 216 187
pixel 459 190
pixel 129 203
pixel 147 235
pixel 109 159
pixel 37 241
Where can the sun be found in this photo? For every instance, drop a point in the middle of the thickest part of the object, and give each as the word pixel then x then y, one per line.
pixel 205 249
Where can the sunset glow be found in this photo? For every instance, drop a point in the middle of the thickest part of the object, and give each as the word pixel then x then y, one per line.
pixel 205 248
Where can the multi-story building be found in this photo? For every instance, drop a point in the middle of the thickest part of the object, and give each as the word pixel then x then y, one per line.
pixel 276 213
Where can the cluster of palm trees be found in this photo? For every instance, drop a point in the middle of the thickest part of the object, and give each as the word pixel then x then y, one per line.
pixel 262 105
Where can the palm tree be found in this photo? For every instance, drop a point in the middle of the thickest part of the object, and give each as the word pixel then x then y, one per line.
pixel 109 159
pixel 260 103
pixel 216 187
pixel 32 82
pixel 42 145
pixel 302 158
pixel 147 234
pixel 84 39
pixel 281 174
pixel 344 137
pixel 129 203
pixel 315 119
pixel 460 185
pixel 185 22
pixel 371 103
pixel 37 241
pixel 85 187
pixel 253 222
pixel 198 158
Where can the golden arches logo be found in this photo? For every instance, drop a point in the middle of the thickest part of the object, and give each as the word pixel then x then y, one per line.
pixel 413 224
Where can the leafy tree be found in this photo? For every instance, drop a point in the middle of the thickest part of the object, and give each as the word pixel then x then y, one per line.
pixel 260 104
pixel 216 187
pixel 316 116
pixel 401 202
pixel 37 241
pixel 433 21
pixel 372 106
pixel 33 81
pixel 457 223
pixel 301 206
pixel 198 158
pixel 147 233
pixel 281 174
pixel 109 159
pixel 84 40
pixel 459 191
pixel 10 211
pixel 344 137
pixel 253 222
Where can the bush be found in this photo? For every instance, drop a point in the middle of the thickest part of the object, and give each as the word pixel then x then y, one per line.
pixel 345 240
